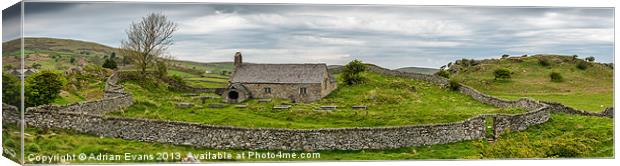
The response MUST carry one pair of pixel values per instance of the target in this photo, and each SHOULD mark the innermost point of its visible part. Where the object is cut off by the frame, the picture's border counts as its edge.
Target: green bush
(569, 147)
(502, 74)
(162, 69)
(43, 87)
(10, 89)
(443, 73)
(590, 59)
(544, 62)
(583, 65)
(556, 77)
(352, 72)
(110, 64)
(454, 85)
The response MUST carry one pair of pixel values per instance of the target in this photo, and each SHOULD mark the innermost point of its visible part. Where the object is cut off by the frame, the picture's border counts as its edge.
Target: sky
(387, 35)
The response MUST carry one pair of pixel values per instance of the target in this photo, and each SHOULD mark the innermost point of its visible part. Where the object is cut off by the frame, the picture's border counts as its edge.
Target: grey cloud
(391, 36)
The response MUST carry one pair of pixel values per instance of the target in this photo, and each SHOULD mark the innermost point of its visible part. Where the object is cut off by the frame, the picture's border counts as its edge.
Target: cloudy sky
(391, 36)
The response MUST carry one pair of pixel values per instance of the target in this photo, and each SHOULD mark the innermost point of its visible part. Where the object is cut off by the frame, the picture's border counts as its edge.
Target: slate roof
(279, 73)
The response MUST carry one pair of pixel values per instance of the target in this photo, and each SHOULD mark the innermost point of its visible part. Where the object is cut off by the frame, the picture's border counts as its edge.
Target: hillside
(590, 89)
(56, 54)
(56, 45)
(421, 70)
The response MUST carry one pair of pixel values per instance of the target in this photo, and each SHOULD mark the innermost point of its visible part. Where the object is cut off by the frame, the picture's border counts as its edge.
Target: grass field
(590, 89)
(563, 136)
(392, 101)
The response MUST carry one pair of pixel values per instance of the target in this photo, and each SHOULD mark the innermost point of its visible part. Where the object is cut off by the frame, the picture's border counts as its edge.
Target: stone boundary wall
(558, 107)
(503, 123)
(86, 120)
(223, 137)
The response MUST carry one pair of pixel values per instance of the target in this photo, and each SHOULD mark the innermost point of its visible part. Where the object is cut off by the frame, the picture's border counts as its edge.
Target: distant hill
(56, 54)
(590, 88)
(57, 45)
(421, 70)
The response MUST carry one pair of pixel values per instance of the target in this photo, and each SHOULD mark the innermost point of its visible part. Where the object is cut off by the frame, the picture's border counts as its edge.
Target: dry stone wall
(89, 118)
(222, 137)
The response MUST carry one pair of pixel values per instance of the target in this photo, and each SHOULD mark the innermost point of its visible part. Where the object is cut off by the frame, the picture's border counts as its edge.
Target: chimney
(238, 60)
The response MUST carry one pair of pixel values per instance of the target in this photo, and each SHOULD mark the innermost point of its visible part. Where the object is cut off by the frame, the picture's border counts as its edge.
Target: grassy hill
(590, 89)
(418, 70)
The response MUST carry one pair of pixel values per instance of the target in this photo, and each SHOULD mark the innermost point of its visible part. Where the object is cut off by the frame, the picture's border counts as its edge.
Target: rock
(329, 107)
(264, 100)
(190, 94)
(359, 107)
(184, 105)
(281, 107)
(216, 105)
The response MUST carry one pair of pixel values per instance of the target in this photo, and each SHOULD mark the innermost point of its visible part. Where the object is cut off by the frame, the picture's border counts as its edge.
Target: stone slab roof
(279, 73)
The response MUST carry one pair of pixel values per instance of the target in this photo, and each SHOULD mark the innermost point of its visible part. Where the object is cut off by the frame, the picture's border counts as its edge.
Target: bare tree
(148, 40)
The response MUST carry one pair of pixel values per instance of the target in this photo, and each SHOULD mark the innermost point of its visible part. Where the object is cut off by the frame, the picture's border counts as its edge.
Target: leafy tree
(502, 74)
(352, 72)
(590, 59)
(10, 89)
(110, 64)
(505, 56)
(43, 87)
(556, 77)
(575, 57)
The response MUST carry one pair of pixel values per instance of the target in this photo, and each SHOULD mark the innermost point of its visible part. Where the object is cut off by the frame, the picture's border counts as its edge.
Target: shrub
(505, 56)
(352, 72)
(162, 69)
(10, 89)
(556, 77)
(583, 65)
(43, 87)
(544, 62)
(502, 74)
(443, 73)
(570, 146)
(590, 59)
(110, 64)
(454, 85)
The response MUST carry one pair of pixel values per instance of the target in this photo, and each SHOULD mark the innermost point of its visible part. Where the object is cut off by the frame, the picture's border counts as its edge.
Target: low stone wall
(222, 137)
(526, 103)
(518, 122)
(557, 107)
(88, 117)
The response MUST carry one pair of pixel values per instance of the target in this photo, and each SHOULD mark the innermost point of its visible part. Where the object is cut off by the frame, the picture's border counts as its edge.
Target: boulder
(216, 105)
(184, 105)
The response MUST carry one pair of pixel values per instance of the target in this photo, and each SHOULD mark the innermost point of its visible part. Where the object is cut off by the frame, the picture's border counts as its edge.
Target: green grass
(181, 74)
(590, 89)
(392, 101)
(541, 141)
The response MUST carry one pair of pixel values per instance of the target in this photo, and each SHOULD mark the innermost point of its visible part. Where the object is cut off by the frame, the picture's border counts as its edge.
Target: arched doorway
(233, 95)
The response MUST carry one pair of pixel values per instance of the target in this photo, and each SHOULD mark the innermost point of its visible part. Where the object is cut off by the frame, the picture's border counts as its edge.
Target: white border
(571, 3)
